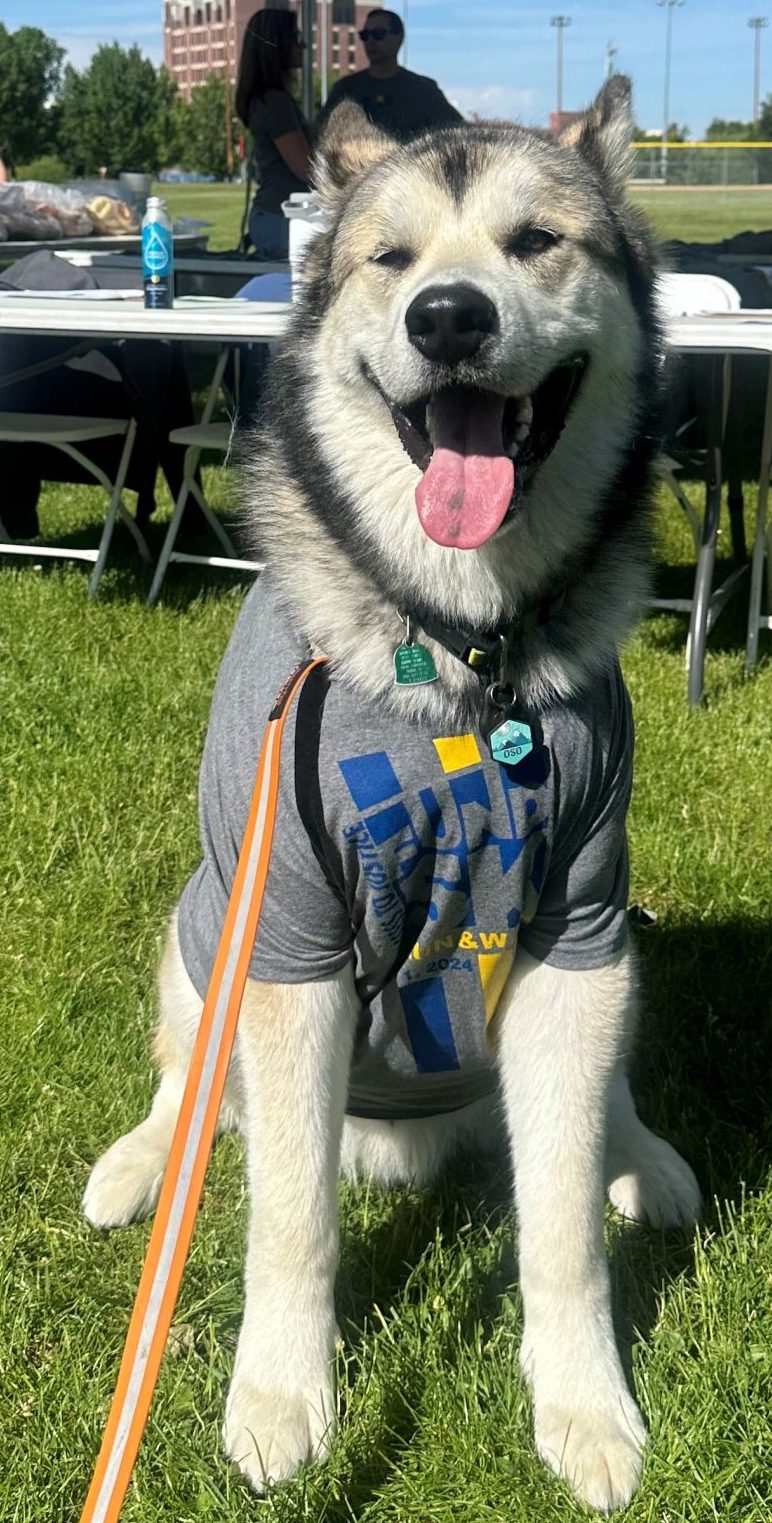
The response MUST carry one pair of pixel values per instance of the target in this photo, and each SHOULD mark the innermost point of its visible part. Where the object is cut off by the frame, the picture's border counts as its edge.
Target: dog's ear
(604, 132)
(348, 147)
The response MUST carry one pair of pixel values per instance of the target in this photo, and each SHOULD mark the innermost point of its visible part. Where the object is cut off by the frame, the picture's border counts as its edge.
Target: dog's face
(478, 306)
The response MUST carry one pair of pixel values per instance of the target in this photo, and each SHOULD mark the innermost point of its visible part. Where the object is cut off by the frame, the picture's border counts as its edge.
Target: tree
(171, 122)
(30, 75)
(764, 124)
(115, 113)
(730, 131)
(333, 75)
(209, 129)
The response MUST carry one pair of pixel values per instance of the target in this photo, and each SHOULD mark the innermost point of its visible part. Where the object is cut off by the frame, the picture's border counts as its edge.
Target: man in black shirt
(395, 99)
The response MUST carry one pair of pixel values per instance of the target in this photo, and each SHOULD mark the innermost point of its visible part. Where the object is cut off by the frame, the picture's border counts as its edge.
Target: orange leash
(184, 1177)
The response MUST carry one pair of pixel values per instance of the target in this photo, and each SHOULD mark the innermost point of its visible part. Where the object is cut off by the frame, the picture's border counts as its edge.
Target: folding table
(90, 318)
(732, 335)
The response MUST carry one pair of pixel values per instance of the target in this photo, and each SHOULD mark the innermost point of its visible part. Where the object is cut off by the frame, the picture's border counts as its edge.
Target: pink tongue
(467, 487)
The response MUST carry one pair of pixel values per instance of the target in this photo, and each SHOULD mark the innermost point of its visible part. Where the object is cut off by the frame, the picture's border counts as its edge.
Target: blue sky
(498, 57)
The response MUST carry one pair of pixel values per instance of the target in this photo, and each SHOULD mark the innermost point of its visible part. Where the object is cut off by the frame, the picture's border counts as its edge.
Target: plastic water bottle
(157, 254)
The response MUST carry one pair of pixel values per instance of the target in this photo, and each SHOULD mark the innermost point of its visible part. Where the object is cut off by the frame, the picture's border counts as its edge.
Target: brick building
(204, 39)
(560, 120)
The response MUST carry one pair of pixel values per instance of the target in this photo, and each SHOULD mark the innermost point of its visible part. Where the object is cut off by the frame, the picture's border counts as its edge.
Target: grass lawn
(706, 216)
(105, 707)
(221, 205)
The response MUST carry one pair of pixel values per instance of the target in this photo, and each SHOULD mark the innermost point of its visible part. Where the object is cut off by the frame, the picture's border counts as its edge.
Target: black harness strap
(308, 793)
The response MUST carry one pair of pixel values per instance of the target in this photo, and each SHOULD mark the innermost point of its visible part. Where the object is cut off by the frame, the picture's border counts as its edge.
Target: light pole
(757, 23)
(670, 6)
(560, 22)
(322, 51)
(611, 53)
(307, 10)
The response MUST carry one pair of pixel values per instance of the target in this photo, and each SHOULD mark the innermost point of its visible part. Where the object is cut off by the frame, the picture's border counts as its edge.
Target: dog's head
(477, 283)
(468, 383)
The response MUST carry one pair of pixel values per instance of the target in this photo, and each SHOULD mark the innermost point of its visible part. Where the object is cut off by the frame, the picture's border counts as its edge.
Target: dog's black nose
(448, 323)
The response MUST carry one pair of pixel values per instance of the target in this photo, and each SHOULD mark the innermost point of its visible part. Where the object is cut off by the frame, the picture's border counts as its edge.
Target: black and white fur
(331, 493)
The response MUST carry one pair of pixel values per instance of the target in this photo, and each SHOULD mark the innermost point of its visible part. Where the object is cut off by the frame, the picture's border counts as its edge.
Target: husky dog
(452, 466)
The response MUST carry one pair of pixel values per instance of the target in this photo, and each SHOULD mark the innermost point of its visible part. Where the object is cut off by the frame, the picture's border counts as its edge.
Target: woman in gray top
(272, 50)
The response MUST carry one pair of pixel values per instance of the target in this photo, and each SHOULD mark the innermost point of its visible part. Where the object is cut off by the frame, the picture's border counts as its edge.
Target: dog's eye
(530, 241)
(394, 259)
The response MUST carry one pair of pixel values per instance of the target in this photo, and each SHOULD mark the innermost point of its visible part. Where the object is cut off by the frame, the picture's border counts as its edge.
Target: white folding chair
(64, 433)
(689, 295)
(681, 296)
(196, 438)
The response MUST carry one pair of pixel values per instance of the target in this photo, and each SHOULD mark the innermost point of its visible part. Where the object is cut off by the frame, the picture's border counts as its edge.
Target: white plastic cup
(306, 221)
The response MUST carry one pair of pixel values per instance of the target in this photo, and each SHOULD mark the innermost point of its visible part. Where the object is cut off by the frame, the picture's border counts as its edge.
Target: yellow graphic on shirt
(494, 969)
(457, 751)
(464, 941)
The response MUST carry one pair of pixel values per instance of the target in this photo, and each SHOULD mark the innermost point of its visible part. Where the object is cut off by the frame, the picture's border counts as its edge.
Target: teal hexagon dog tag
(413, 664)
(510, 742)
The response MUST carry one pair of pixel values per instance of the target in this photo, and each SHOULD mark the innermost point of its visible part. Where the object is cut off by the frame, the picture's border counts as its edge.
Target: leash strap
(184, 1177)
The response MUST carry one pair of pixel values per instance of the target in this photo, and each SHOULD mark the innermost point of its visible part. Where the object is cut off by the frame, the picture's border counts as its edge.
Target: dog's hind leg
(558, 1035)
(295, 1043)
(646, 1179)
(125, 1182)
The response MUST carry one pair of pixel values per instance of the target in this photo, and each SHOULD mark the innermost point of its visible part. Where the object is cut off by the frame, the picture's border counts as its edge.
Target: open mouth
(478, 452)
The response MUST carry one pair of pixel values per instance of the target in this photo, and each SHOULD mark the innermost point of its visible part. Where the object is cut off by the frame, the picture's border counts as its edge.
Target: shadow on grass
(705, 1046)
(701, 1079)
(127, 578)
(677, 581)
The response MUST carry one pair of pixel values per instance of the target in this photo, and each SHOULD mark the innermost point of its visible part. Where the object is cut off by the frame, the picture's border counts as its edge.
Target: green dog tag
(510, 742)
(413, 665)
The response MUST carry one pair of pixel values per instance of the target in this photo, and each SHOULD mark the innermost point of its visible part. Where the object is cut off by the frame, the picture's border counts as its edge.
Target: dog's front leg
(294, 1053)
(557, 1040)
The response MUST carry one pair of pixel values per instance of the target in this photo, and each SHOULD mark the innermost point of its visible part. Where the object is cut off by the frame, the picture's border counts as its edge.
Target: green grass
(220, 205)
(105, 707)
(706, 215)
(700, 215)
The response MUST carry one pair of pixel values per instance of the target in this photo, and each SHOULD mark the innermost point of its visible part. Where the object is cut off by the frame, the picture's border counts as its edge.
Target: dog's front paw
(269, 1434)
(658, 1187)
(125, 1183)
(599, 1454)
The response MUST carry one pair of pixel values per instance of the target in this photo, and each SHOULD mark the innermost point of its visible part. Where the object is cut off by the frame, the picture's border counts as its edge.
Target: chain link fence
(702, 164)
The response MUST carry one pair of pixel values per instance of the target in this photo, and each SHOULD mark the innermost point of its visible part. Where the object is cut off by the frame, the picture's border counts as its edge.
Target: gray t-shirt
(412, 854)
(272, 116)
(405, 104)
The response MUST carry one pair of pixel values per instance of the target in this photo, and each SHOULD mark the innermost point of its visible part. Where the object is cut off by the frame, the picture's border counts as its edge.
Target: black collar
(480, 649)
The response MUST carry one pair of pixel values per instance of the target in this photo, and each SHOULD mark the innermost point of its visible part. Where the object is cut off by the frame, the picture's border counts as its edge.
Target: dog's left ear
(603, 133)
(349, 146)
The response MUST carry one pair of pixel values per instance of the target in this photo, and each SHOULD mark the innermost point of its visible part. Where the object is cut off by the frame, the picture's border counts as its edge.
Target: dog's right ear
(603, 132)
(349, 146)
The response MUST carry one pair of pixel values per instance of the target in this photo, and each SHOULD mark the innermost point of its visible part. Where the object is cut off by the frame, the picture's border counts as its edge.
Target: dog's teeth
(431, 416)
(525, 411)
(522, 431)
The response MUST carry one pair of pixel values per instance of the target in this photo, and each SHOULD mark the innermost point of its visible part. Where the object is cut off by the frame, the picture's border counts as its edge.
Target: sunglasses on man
(374, 33)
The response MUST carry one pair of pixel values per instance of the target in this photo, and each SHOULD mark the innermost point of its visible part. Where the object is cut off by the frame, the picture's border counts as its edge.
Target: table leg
(214, 389)
(757, 564)
(703, 581)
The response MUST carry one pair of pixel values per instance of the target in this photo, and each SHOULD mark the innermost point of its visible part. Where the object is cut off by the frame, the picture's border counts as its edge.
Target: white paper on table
(98, 295)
